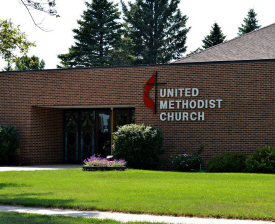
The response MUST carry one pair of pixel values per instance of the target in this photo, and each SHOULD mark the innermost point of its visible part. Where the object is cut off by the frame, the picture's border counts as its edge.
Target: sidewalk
(127, 217)
(40, 167)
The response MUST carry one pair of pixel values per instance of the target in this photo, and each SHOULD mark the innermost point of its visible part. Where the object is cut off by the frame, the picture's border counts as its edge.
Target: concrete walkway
(127, 217)
(39, 167)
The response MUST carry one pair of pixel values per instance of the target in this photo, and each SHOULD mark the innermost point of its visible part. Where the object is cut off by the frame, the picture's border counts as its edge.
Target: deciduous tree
(13, 42)
(29, 63)
(26, 63)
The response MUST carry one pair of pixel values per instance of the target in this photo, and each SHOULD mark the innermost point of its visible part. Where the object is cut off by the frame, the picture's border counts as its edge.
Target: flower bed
(98, 163)
(101, 168)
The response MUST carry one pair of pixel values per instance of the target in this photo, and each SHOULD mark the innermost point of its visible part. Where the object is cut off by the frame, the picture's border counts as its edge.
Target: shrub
(8, 143)
(139, 145)
(186, 162)
(262, 161)
(227, 162)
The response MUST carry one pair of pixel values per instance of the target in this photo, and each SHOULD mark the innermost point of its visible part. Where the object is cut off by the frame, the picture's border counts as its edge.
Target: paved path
(127, 217)
(40, 167)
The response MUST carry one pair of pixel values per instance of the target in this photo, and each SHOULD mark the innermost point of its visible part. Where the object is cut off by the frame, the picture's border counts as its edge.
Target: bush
(8, 144)
(139, 145)
(262, 161)
(227, 162)
(186, 162)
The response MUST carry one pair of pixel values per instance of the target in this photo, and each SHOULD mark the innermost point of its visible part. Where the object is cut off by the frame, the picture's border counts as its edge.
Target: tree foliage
(12, 41)
(98, 39)
(250, 23)
(157, 28)
(29, 63)
(215, 37)
(123, 53)
(26, 63)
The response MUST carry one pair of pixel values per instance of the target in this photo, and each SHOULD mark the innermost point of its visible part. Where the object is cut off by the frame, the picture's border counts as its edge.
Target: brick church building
(221, 98)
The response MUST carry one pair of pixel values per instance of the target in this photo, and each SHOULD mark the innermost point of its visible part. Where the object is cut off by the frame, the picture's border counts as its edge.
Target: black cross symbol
(156, 83)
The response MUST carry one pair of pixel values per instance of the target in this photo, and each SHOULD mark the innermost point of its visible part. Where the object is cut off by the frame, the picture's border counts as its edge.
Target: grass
(229, 195)
(21, 218)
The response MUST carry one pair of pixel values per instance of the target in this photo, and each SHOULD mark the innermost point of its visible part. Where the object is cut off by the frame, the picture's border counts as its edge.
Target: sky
(201, 15)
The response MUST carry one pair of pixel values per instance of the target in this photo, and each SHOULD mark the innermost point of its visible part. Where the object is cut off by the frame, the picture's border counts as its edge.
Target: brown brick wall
(244, 122)
(47, 136)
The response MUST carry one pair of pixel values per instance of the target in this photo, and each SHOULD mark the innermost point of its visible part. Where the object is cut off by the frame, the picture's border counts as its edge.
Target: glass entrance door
(71, 136)
(79, 135)
(104, 133)
(87, 143)
(88, 132)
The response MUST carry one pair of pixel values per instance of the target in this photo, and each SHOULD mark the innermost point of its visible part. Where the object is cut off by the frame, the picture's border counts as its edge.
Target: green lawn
(233, 195)
(19, 218)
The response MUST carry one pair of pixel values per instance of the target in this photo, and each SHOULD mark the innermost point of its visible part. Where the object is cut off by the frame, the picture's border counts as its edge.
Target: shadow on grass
(4, 185)
(40, 200)
(16, 218)
(33, 199)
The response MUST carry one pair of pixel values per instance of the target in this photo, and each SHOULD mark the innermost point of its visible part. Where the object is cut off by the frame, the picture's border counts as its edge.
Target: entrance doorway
(88, 131)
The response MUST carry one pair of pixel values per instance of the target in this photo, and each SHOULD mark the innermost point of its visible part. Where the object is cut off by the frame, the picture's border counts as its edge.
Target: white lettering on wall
(161, 116)
(176, 103)
(163, 105)
(180, 92)
(162, 92)
(171, 104)
(182, 116)
(191, 104)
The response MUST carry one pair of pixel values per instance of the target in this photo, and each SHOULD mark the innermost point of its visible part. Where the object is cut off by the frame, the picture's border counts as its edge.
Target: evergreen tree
(157, 28)
(98, 35)
(250, 23)
(215, 37)
(123, 53)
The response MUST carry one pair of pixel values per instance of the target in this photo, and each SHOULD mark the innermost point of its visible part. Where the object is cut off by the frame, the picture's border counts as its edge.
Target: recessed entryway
(89, 131)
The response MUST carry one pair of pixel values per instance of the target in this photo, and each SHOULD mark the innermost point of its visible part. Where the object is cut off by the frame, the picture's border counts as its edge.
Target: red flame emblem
(148, 102)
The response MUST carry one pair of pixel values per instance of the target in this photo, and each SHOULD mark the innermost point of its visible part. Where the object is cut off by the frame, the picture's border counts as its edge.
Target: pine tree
(158, 30)
(98, 35)
(215, 37)
(250, 23)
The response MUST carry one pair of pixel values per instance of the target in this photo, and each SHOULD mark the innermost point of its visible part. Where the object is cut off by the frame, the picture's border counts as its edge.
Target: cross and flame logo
(148, 102)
